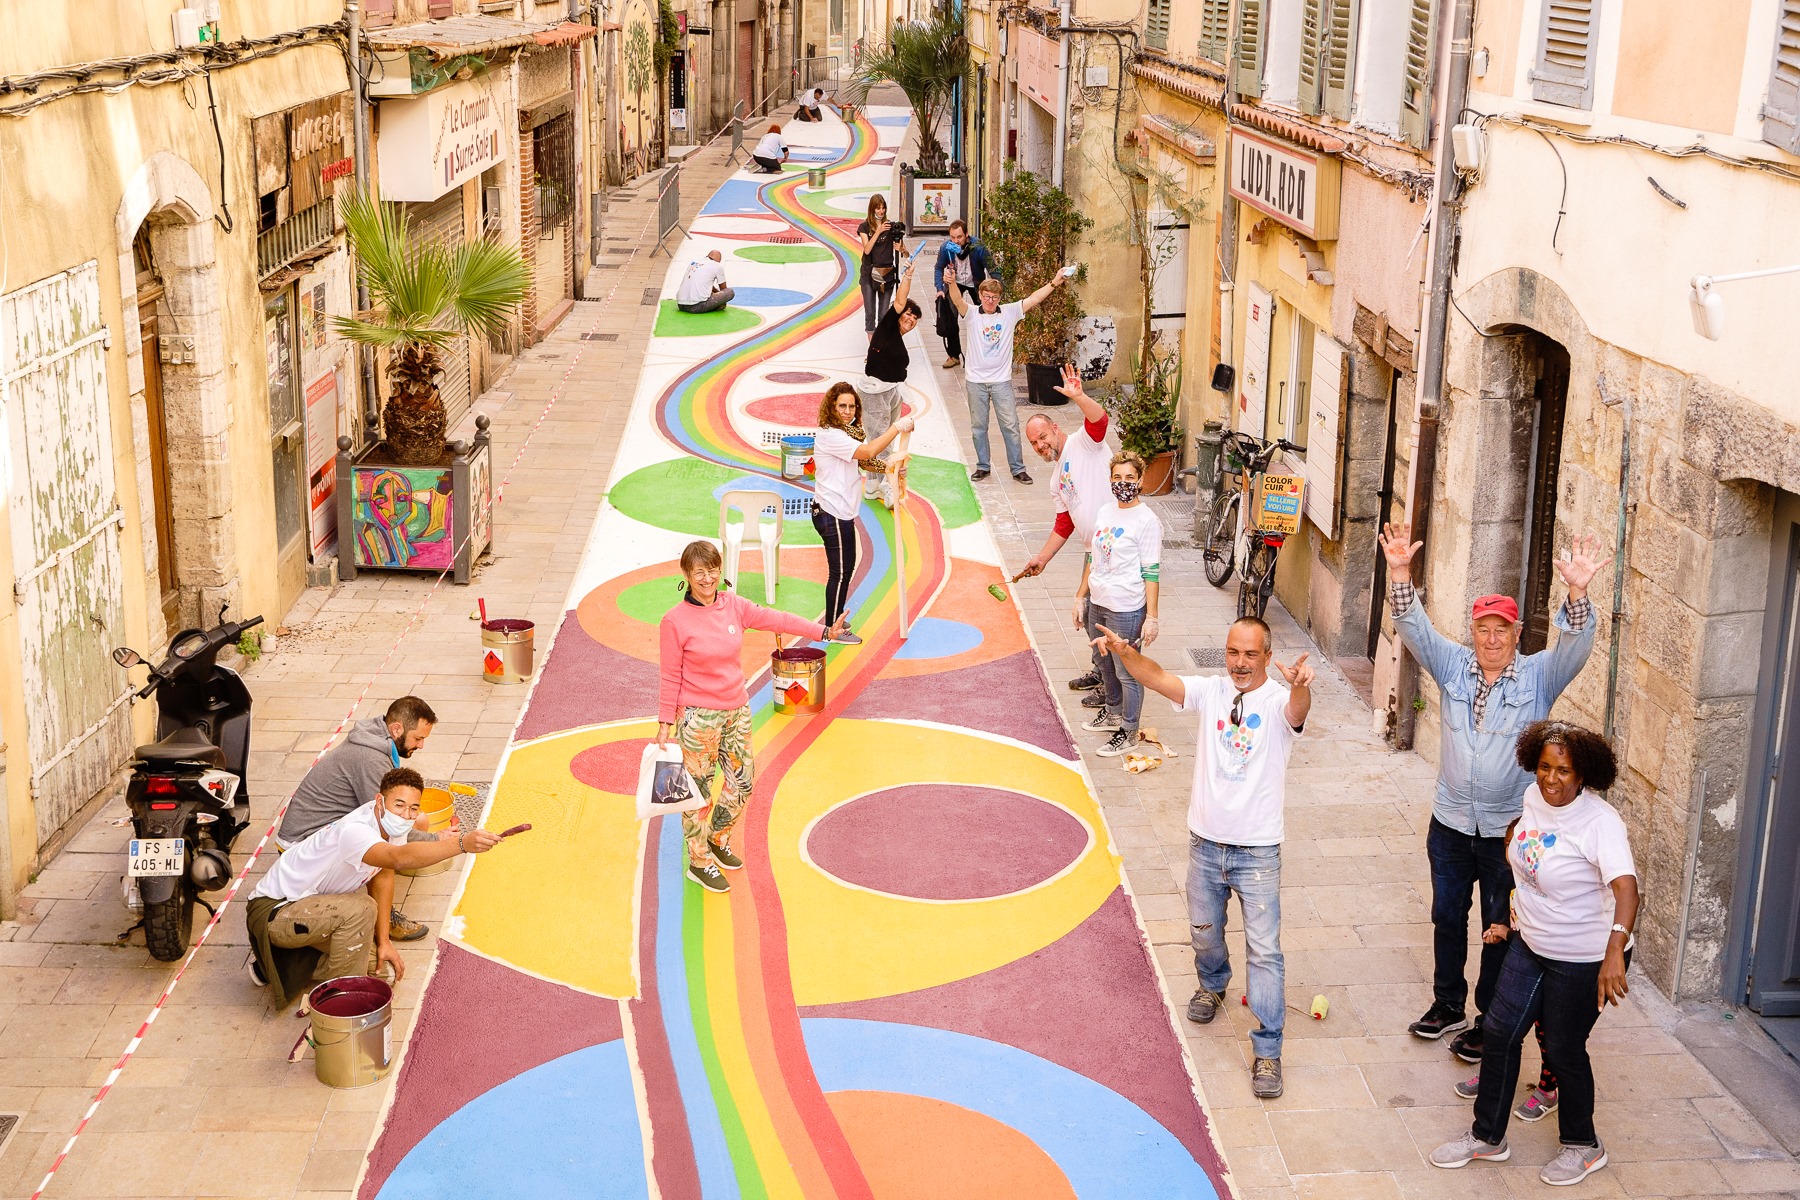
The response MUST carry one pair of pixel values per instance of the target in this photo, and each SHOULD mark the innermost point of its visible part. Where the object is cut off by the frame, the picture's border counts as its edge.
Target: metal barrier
(807, 74)
(668, 208)
(737, 138)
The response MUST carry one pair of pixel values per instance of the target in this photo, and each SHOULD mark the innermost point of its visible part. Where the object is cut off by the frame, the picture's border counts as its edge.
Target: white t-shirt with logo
(701, 278)
(1239, 769)
(770, 145)
(988, 342)
(327, 862)
(837, 480)
(1563, 862)
(1127, 553)
(1083, 481)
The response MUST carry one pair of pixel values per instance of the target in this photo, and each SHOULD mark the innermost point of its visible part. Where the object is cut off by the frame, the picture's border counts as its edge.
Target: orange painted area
(911, 1146)
(966, 598)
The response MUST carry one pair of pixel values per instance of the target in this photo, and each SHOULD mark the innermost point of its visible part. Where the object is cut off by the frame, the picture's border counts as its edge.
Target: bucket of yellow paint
(799, 680)
(438, 806)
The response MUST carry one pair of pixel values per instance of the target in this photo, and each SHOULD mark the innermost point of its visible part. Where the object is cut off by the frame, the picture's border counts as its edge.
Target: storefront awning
(453, 37)
(566, 34)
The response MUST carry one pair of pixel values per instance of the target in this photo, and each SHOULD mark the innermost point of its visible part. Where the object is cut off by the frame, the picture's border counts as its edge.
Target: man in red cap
(1488, 694)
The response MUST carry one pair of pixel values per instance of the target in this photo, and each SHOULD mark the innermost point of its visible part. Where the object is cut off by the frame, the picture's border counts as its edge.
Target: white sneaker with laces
(1101, 722)
(1120, 743)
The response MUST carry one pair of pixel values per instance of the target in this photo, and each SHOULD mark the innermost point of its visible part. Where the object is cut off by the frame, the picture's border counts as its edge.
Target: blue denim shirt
(1481, 787)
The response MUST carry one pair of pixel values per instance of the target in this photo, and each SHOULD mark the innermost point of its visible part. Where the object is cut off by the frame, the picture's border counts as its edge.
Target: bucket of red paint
(352, 1034)
(506, 651)
(799, 680)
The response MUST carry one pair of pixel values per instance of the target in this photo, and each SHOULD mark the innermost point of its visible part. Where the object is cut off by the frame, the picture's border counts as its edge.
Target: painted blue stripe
(1105, 1144)
(717, 1176)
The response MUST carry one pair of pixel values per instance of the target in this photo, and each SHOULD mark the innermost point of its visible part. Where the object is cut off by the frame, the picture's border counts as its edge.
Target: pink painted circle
(793, 377)
(937, 841)
(612, 767)
(795, 408)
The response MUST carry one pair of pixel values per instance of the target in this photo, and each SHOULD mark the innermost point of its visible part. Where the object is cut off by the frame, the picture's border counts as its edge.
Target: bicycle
(1247, 458)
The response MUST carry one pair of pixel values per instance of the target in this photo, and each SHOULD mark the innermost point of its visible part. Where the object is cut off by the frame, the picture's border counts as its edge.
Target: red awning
(566, 34)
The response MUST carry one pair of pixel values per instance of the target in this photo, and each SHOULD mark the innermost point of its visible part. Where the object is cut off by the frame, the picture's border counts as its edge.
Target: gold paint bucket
(799, 680)
(438, 807)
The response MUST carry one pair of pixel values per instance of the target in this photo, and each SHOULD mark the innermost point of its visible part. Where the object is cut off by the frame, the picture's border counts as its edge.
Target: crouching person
(331, 892)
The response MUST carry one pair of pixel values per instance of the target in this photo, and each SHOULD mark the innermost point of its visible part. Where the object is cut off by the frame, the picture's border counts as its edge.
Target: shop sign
(1037, 68)
(316, 136)
(1278, 501)
(1297, 187)
(433, 143)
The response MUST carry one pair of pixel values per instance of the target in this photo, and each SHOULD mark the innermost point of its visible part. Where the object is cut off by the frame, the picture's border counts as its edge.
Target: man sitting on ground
(347, 775)
(327, 893)
(703, 288)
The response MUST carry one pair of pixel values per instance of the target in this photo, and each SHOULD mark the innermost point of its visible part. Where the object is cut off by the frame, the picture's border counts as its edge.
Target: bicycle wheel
(1221, 537)
(1257, 580)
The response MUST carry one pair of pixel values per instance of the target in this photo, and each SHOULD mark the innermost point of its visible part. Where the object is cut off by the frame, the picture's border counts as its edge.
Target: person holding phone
(882, 242)
(838, 451)
(705, 701)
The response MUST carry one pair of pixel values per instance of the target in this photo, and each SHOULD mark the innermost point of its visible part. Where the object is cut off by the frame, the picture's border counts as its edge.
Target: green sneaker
(725, 858)
(707, 876)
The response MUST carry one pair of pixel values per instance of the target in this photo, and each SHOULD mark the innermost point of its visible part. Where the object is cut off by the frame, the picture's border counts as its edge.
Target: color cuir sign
(1297, 187)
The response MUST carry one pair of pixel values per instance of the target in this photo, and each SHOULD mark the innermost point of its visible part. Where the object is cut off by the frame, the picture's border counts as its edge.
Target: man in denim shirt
(1487, 696)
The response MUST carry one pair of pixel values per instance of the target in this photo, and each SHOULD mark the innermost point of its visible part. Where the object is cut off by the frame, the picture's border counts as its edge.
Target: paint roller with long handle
(896, 468)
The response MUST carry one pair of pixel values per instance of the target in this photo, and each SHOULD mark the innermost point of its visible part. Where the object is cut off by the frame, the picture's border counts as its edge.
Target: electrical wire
(212, 104)
(1562, 203)
(1545, 129)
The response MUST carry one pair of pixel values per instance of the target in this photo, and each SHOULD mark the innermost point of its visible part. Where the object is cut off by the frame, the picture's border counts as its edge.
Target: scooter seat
(184, 745)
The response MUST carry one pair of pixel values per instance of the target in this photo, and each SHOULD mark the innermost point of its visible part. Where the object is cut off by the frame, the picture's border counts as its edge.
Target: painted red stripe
(672, 1162)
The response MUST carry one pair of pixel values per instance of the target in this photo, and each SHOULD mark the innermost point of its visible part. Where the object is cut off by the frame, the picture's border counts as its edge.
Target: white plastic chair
(755, 506)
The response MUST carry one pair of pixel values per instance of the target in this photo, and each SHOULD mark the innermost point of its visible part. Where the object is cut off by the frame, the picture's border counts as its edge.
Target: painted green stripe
(743, 1161)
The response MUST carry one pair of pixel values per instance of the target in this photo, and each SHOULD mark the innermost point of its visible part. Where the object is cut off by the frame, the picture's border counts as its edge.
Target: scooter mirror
(125, 656)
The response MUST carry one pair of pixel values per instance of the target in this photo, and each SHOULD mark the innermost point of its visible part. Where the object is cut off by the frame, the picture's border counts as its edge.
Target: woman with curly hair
(1575, 901)
(839, 453)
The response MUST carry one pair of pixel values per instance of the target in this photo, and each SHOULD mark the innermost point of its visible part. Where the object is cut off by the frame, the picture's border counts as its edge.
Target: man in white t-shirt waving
(1248, 723)
(987, 334)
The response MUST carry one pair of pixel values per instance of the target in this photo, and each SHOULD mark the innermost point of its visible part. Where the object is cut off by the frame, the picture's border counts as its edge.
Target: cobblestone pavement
(210, 1107)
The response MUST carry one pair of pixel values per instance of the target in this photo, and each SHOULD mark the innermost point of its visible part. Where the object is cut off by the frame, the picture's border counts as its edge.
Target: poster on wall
(321, 462)
(935, 203)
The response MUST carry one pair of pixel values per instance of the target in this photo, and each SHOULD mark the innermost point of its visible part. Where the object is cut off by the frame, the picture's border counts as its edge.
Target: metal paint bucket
(799, 680)
(506, 651)
(815, 177)
(797, 456)
(438, 807)
(352, 1037)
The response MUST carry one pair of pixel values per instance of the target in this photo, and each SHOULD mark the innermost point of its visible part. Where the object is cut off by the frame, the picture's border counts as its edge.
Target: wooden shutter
(1248, 70)
(1339, 68)
(1168, 272)
(1253, 379)
(1156, 25)
(1312, 52)
(1325, 435)
(1415, 85)
(1564, 73)
(1781, 114)
(1215, 30)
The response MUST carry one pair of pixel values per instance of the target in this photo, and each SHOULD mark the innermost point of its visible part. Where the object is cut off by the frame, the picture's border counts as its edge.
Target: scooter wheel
(168, 924)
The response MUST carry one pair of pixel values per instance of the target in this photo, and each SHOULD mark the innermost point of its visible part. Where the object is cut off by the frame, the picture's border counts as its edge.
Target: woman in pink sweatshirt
(705, 701)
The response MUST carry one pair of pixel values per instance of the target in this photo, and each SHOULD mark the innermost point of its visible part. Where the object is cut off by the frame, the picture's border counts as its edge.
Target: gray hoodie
(348, 775)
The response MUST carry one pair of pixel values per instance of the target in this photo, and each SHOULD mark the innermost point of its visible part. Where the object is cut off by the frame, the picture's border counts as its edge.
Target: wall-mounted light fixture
(1708, 307)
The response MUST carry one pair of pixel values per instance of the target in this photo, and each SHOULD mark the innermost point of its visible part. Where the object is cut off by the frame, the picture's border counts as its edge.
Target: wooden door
(746, 67)
(149, 292)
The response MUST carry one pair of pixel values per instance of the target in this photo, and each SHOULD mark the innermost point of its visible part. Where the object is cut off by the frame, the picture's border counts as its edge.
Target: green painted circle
(646, 602)
(672, 322)
(785, 254)
(678, 495)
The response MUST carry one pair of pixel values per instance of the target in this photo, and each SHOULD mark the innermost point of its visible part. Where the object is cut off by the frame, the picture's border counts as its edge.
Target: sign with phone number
(1278, 503)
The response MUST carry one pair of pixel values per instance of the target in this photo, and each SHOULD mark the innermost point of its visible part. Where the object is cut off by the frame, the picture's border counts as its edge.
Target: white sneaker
(1102, 722)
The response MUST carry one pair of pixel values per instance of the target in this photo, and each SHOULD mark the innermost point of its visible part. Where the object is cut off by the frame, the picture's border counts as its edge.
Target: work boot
(402, 928)
(1265, 1078)
(1204, 1006)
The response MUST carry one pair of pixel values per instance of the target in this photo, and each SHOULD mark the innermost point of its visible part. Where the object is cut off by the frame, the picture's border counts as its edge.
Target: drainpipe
(1062, 91)
(359, 125)
(9, 907)
(1431, 365)
(1618, 603)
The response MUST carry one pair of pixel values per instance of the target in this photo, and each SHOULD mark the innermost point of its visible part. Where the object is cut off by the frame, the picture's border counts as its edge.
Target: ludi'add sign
(1297, 187)
(432, 143)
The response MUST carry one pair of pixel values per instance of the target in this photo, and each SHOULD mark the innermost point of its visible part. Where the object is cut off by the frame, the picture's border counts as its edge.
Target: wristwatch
(1630, 941)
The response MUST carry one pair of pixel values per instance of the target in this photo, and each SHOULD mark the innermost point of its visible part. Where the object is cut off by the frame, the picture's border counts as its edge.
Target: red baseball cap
(1495, 606)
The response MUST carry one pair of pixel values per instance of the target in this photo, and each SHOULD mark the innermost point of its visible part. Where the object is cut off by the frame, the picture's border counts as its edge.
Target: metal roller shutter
(442, 221)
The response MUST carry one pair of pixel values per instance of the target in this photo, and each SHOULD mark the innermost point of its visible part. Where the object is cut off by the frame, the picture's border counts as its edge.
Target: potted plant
(1146, 415)
(926, 60)
(1028, 226)
(411, 501)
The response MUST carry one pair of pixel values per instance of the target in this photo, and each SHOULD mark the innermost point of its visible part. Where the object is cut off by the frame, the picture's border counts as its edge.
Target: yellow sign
(1278, 503)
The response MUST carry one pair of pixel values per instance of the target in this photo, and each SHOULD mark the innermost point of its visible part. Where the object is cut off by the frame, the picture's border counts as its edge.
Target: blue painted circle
(899, 120)
(762, 297)
(933, 637)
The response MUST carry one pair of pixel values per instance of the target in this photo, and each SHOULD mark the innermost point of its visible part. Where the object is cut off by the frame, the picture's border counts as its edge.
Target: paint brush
(482, 605)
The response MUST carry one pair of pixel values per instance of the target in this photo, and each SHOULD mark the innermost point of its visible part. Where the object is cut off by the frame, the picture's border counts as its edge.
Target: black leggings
(840, 561)
(769, 166)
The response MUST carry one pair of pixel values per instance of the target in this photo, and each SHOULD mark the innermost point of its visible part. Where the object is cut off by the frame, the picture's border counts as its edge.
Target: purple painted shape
(1089, 1002)
(582, 682)
(939, 841)
(481, 1024)
(1009, 696)
(793, 377)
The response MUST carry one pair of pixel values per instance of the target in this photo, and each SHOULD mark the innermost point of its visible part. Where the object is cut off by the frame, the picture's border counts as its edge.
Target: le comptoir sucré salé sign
(1297, 187)
(432, 143)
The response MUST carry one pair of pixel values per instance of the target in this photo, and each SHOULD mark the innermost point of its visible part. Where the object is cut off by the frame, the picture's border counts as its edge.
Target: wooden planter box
(409, 518)
(928, 203)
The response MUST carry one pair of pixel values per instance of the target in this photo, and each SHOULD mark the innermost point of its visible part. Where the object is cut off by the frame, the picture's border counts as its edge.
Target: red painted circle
(795, 408)
(612, 767)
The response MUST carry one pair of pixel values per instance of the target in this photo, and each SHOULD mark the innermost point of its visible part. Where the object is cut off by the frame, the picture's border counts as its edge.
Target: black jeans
(949, 327)
(840, 561)
(877, 298)
(1459, 863)
(769, 166)
(1564, 997)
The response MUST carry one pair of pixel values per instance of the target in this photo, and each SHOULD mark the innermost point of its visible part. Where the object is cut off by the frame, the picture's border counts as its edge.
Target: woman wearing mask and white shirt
(838, 451)
(1575, 901)
(1120, 590)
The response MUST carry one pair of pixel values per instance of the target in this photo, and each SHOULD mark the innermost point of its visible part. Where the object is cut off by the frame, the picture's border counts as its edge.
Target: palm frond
(386, 336)
(487, 281)
(924, 59)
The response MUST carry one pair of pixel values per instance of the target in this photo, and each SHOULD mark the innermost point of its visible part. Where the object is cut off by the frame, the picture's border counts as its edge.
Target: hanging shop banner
(1037, 68)
(1297, 187)
(432, 143)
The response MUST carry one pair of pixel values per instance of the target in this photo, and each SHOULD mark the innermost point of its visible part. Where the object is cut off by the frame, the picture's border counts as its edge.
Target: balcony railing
(306, 230)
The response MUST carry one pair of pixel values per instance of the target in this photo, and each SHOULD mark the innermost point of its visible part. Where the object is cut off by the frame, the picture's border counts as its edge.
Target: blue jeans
(1254, 872)
(1563, 997)
(1006, 407)
(877, 298)
(1124, 694)
(1461, 864)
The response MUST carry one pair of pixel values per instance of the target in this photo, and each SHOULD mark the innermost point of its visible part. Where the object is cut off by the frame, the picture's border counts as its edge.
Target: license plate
(156, 857)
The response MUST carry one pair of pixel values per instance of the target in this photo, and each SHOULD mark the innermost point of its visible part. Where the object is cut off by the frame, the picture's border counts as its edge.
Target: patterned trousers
(712, 740)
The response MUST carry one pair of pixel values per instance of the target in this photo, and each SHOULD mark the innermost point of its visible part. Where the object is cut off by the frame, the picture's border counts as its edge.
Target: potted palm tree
(411, 501)
(926, 60)
(1029, 225)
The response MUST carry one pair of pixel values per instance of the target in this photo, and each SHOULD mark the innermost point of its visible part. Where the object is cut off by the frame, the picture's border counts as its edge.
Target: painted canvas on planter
(401, 517)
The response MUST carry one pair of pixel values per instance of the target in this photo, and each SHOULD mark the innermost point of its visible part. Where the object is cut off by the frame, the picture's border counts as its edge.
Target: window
(1312, 51)
(1325, 434)
(1327, 34)
(1215, 30)
(1781, 115)
(1564, 73)
(1249, 56)
(1415, 65)
(1156, 25)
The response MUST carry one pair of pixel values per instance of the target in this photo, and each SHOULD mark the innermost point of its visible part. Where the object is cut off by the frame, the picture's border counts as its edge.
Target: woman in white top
(838, 448)
(1119, 589)
(1575, 901)
(770, 151)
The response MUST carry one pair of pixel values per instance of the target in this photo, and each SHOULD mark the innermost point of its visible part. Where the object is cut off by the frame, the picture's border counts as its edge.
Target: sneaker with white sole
(1466, 1149)
(1095, 699)
(1573, 1165)
(708, 876)
(1537, 1105)
(1085, 683)
(1119, 743)
(256, 971)
(1469, 1088)
(1101, 722)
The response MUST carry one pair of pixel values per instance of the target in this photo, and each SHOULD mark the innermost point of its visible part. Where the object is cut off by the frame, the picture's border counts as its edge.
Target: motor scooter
(188, 795)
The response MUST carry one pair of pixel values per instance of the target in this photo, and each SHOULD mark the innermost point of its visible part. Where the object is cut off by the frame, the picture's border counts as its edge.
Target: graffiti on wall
(401, 516)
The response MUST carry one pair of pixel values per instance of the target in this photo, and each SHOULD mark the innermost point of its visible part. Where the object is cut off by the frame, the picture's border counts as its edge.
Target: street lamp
(1708, 307)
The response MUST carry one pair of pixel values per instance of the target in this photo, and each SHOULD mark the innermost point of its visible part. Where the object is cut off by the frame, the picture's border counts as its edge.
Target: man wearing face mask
(347, 775)
(330, 891)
